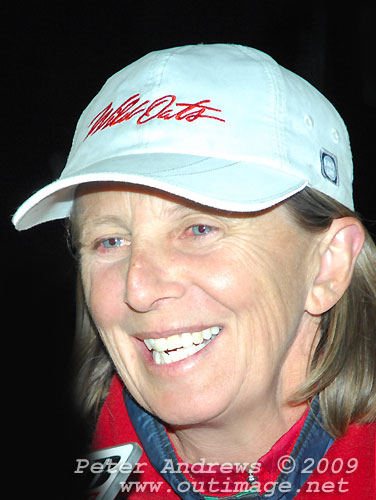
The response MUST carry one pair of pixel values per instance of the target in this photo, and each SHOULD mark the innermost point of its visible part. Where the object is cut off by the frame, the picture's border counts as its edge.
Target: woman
(230, 282)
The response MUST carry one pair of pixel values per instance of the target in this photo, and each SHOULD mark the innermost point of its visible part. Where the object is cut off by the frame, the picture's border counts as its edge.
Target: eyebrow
(178, 209)
(101, 220)
(84, 223)
(88, 220)
(107, 219)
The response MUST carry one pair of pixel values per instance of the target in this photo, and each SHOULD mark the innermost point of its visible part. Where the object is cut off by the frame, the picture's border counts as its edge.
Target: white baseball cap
(220, 124)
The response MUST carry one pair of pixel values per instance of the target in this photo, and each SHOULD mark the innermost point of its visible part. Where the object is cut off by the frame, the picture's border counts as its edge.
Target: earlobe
(337, 255)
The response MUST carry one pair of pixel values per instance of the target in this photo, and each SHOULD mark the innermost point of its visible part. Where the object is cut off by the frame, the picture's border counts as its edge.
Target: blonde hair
(343, 367)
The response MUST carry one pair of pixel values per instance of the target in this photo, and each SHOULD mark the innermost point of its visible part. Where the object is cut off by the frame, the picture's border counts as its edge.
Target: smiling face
(198, 310)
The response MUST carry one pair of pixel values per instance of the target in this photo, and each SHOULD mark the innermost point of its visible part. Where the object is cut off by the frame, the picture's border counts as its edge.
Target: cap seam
(156, 73)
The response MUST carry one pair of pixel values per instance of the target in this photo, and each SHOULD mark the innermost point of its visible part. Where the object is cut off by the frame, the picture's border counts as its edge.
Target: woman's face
(221, 299)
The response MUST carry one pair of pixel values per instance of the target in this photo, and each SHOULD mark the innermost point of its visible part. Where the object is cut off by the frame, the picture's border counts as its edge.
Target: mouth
(177, 347)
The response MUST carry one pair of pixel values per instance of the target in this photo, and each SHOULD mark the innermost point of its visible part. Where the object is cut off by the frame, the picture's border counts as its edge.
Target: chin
(188, 412)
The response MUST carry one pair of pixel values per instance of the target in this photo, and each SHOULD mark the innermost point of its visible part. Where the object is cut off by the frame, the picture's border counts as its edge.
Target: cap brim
(218, 183)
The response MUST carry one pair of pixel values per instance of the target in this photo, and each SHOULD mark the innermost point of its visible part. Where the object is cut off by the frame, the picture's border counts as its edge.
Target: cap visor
(218, 183)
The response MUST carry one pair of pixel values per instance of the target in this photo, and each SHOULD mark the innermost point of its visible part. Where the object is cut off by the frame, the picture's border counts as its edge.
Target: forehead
(99, 198)
(93, 201)
(119, 204)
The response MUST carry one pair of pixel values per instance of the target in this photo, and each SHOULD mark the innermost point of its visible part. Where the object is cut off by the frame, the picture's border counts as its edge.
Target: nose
(152, 280)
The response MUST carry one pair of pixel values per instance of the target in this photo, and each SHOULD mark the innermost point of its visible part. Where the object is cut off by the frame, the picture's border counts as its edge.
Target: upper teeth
(185, 344)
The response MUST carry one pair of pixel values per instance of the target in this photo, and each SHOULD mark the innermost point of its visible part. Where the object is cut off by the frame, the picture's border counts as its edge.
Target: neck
(245, 440)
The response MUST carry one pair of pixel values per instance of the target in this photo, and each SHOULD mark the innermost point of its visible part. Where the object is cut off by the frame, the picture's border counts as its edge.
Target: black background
(56, 56)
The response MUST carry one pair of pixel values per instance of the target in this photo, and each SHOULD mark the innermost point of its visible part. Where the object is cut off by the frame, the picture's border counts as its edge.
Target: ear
(336, 256)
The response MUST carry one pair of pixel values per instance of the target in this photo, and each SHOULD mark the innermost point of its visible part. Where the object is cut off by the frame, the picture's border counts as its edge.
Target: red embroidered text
(164, 108)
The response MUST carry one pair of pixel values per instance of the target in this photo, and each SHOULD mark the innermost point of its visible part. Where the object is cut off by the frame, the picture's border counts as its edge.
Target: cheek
(238, 276)
(104, 292)
(265, 290)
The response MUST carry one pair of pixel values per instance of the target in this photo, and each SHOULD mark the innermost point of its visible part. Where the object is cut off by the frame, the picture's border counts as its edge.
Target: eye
(198, 230)
(113, 242)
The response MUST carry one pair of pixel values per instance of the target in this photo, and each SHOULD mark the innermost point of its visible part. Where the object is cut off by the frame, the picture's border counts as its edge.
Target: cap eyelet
(335, 135)
(308, 120)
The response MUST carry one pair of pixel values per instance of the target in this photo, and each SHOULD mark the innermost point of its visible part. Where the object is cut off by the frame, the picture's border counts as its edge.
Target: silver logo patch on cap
(329, 168)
